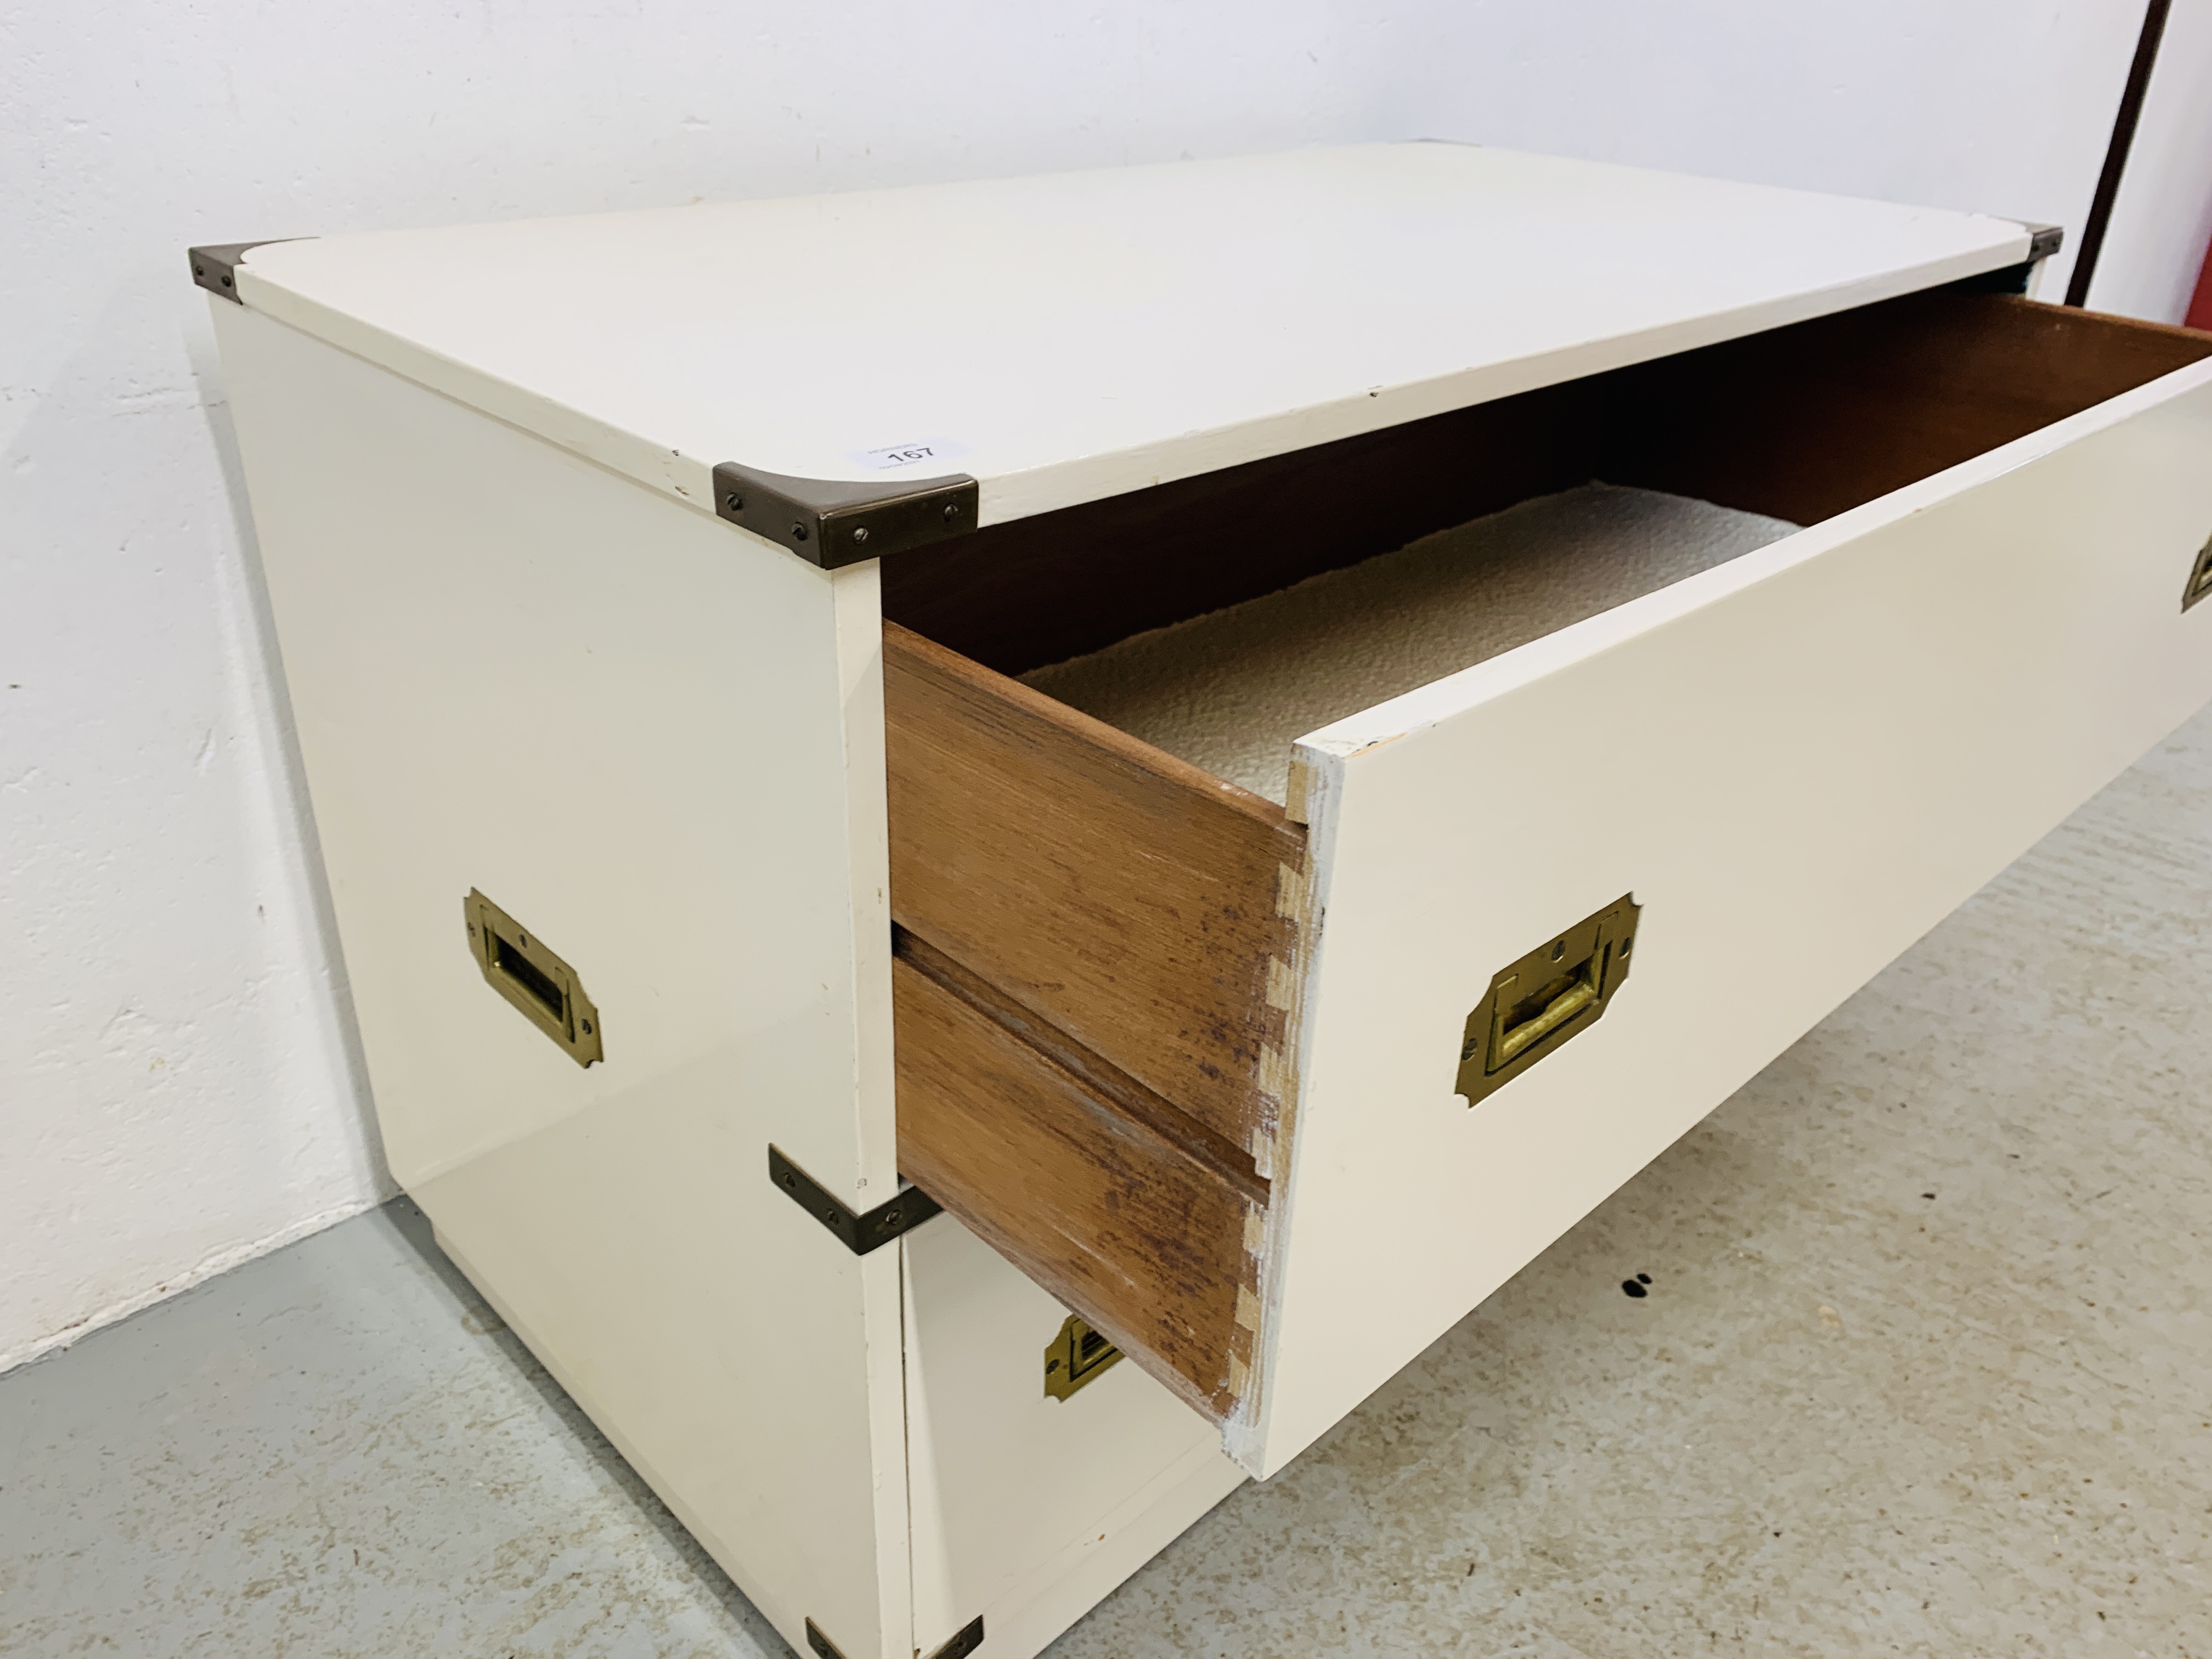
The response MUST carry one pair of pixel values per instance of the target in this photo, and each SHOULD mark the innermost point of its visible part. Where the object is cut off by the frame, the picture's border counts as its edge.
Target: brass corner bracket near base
(1546, 999)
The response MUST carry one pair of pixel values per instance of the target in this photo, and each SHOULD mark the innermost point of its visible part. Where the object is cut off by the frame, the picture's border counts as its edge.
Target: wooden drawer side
(1813, 420)
(1143, 1232)
(1132, 903)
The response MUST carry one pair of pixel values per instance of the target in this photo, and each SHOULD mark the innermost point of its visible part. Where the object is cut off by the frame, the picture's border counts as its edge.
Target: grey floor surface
(1924, 1368)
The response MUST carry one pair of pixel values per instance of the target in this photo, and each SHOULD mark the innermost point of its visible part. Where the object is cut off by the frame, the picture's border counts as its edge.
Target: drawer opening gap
(1783, 428)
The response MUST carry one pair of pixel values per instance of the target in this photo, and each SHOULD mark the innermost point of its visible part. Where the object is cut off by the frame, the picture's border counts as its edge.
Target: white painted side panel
(656, 742)
(1027, 1510)
(1092, 1569)
(1798, 763)
(1071, 336)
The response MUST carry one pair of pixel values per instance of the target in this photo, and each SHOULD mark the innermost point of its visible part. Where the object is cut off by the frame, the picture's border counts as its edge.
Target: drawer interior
(1797, 423)
(1232, 691)
(1099, 927)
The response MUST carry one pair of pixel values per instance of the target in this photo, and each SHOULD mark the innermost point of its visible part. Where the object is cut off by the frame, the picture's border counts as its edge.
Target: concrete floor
(1924, 1366)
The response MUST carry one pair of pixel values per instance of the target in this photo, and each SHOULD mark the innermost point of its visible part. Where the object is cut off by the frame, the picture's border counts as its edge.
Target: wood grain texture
(1124, 897)
(1191, 1138)
(1019, 595)
(1810, 421)
(1118, 1222)
(1802, 423)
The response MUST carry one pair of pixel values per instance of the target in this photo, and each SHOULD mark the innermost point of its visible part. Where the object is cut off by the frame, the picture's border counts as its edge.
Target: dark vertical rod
(2116, 154)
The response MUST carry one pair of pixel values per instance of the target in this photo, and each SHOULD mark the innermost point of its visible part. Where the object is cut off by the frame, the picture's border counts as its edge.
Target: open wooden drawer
(1245, 1083)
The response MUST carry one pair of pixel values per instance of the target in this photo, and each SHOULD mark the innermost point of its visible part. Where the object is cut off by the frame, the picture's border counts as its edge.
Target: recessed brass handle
(516, 963)
(2200, 578)
(1543, 1001)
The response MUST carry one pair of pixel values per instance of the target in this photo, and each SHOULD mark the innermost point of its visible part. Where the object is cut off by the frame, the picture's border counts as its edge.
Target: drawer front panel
(1796, 764)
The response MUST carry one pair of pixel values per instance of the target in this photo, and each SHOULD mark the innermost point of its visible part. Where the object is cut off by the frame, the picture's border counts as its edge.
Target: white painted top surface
(1068, 337)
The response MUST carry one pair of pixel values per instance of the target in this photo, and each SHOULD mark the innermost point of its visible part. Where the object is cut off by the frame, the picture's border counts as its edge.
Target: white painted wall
(2162, 219)
(176, 1086)
(1994, 106)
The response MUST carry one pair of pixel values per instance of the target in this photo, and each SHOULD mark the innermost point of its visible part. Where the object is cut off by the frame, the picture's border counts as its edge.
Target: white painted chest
(1265, 733)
